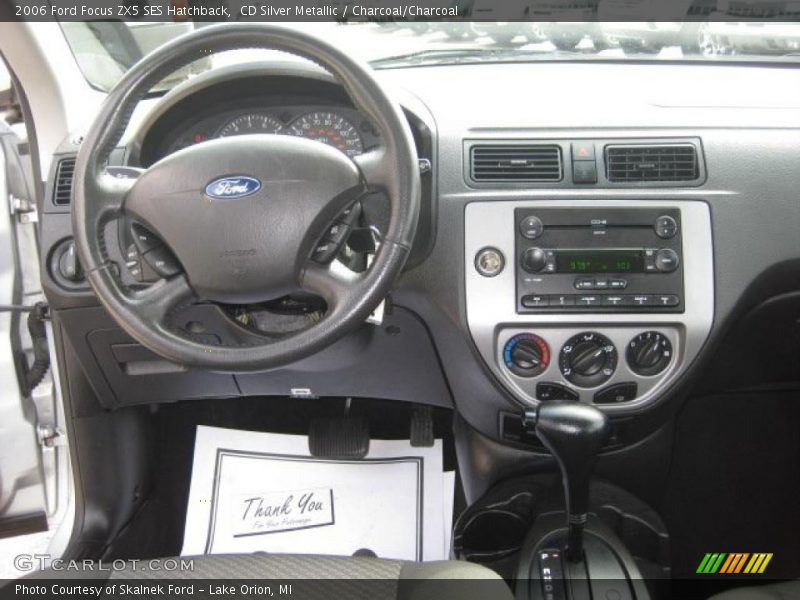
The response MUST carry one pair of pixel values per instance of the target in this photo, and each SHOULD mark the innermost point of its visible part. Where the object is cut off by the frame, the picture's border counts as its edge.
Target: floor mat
(264, 492)
(735, 482)
(157, 529)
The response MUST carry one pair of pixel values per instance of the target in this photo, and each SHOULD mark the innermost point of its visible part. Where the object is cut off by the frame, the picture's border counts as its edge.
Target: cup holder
(492, 534)
(492, 531)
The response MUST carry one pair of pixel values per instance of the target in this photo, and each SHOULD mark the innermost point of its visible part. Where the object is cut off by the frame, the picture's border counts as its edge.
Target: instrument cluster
(339, 127)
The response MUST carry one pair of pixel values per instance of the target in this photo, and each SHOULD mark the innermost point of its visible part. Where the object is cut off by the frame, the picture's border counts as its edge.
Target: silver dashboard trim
(491, 302)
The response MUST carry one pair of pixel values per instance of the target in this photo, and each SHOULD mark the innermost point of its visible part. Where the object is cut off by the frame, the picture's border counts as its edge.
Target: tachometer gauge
(329, 128)
(252, 123)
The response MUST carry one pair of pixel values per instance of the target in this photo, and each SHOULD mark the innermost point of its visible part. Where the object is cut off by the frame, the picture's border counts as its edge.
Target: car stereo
(598, 260)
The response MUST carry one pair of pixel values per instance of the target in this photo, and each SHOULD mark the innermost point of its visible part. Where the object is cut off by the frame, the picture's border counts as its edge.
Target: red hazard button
(582, 151)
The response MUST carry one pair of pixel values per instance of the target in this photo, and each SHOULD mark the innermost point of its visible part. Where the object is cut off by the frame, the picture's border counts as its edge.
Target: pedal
(421, 435)
(346, 437)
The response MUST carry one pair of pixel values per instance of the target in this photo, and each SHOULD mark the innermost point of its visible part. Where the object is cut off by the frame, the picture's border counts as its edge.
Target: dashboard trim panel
(491, 307)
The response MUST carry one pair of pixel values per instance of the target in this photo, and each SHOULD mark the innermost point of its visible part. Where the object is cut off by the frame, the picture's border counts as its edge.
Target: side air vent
(516, 163)
(644, 164)
(62, 191)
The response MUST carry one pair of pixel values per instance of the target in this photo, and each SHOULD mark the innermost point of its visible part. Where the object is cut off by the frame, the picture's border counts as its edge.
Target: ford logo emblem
(228, 188)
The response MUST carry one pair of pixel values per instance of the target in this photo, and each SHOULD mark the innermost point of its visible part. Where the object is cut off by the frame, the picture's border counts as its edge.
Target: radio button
(618, 284)
(585, 284)
(535, 301)
(668, 300)
(667, 260)
(650, 260)
(601, 284)
(639, 300)
(666, 227)
(531, 228)
(588, 300)
(562, 300)
(613, 300)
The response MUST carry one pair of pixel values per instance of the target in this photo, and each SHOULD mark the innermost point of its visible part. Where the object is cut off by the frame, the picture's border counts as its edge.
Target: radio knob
(534, 260)
(667, 260)
(531, 227)
(666, 227)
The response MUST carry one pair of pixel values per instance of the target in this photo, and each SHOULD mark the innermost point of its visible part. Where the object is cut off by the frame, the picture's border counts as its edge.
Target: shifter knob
(574, 434)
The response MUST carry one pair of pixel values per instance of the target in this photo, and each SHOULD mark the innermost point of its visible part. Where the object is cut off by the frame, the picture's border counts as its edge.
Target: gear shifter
(574, 434)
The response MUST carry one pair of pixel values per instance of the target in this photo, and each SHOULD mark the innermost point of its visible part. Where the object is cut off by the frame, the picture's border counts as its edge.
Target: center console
(604, 302)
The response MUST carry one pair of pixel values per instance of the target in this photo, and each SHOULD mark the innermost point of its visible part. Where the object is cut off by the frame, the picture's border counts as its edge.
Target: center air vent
(639, 163)
(515, 163)
(62, 190)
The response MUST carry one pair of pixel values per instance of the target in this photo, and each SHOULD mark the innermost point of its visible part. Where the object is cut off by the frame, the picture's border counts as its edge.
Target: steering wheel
(243, 215)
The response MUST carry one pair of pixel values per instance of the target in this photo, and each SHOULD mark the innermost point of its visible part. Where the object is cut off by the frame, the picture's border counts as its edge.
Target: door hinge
(25, 210)
(49, 436)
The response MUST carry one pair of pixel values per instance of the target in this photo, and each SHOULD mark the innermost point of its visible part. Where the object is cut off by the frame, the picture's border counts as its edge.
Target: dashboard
(478, 290)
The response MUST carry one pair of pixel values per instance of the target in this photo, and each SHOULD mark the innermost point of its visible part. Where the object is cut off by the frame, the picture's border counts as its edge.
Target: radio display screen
(599, 261)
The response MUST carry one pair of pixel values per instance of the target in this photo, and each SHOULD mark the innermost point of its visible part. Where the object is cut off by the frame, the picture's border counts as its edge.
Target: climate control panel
(605, 366)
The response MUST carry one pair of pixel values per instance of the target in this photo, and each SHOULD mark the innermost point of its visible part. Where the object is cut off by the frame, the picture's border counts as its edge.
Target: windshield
(105, 50)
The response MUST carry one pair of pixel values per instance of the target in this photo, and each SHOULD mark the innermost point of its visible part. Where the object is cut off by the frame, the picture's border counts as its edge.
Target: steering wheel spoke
(113, 185)
(157, 301)
(333, 282)
(375, 167)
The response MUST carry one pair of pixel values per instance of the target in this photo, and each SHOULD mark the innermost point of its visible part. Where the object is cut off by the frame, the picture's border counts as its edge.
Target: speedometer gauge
(329, 128)
(252, 123)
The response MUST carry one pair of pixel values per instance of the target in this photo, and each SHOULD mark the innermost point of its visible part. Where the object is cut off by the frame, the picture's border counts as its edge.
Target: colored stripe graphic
(767, 558)
(717, 563)
(740, 564)
(703, 563)
(734, 563)
(727, 564)
(730, 565)
(754, 563)
(711, 562)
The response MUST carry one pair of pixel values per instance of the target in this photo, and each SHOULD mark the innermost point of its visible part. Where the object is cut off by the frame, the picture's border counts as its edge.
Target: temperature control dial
(526, 355)
(588, 359)
(649, 353)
